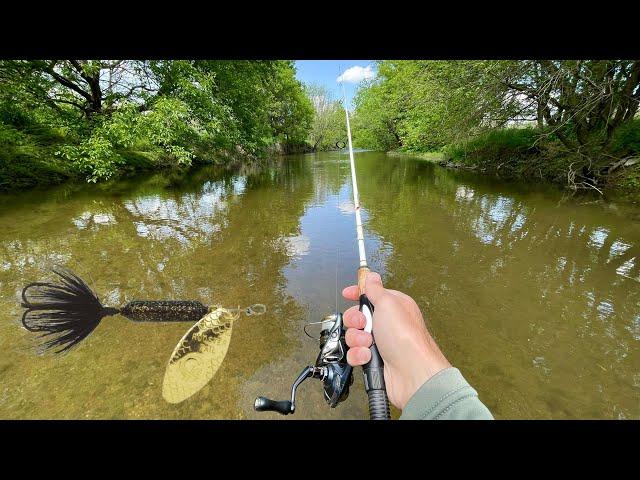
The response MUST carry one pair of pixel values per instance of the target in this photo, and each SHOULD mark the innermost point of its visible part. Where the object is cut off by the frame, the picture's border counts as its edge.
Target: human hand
(410, 354)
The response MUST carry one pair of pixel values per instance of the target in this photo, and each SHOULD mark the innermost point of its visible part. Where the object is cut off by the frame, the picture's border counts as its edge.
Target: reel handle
(285, 407)
(264, 404)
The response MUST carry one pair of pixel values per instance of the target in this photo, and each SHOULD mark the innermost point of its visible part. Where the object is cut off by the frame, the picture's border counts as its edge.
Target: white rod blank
(356, 197)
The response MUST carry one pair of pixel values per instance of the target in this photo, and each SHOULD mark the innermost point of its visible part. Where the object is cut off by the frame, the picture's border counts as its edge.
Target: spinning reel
(331, 368)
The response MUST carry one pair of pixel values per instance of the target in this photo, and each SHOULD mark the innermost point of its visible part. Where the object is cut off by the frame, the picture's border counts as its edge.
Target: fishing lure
(200, 352)
(67, 311)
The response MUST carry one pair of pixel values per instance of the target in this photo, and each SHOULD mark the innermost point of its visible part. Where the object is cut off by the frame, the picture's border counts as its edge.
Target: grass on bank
(27, 158)
(521, 153)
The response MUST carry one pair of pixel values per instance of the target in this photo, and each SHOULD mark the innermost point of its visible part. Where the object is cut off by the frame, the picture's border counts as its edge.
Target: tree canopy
(180, 109)
(425, 105)
(328, 125)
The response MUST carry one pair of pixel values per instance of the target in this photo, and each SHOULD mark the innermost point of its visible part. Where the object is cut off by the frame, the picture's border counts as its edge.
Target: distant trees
(328, 125)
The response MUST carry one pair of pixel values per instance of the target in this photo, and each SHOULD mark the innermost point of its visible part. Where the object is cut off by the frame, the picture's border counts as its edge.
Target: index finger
(351, 293)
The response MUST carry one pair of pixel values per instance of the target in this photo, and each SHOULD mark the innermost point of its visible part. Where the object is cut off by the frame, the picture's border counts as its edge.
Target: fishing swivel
(255, 309)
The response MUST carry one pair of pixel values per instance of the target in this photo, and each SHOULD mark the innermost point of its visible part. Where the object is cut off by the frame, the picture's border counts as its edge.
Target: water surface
(533, 296)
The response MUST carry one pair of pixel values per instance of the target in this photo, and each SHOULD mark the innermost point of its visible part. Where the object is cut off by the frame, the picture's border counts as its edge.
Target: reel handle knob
(264, 404)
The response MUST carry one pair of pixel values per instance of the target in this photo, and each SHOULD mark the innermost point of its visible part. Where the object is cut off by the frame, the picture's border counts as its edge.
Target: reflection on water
(533, 297)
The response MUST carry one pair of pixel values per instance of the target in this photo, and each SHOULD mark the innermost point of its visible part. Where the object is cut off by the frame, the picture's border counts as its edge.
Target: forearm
(446, 396)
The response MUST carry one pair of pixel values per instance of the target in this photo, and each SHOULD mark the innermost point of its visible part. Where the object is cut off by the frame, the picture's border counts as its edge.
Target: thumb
(373, 286)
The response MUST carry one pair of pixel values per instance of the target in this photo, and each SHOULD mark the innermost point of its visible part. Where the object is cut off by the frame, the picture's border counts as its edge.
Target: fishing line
(304, 328)
(337, 256)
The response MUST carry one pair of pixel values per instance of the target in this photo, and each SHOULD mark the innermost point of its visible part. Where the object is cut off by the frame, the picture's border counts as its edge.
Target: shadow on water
(533, 296)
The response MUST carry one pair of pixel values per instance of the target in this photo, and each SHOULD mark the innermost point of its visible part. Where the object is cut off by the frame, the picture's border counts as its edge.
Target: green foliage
(583, 109)
(291, 112)
(329, 123)
(94, 156)
(176, 111)
(424, 105)
(627, 139)
(10, 136)
(26, 160)
(494, 145)
(375, 123)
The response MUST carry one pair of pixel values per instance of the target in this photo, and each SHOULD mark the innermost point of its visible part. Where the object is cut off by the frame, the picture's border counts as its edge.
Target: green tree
(291, 111)
(426, 104)
(579, 105)
(328, 122)
(583, 103)
(174, 111)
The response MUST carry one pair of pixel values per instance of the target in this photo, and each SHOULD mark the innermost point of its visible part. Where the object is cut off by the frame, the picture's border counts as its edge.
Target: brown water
(535, 298)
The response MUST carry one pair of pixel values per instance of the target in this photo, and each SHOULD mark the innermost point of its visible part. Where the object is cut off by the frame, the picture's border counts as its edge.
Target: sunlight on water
(534, 297)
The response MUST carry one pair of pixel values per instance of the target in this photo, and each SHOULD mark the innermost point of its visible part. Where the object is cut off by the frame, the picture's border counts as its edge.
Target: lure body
(67, 311)
(164, 310)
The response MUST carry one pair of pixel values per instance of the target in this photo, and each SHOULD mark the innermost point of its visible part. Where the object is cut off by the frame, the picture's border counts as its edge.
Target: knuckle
(358, 356)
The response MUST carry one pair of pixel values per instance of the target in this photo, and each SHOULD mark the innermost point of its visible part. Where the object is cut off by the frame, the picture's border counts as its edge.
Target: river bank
(625, 187)
(25, 172)
(32, 161)
(150, 115)
(523, 154)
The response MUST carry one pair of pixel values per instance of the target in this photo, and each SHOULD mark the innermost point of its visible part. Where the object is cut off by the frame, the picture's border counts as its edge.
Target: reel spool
(331, 368)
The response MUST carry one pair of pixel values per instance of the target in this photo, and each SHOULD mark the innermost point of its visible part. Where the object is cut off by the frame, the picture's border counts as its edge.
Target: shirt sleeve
(446, 396)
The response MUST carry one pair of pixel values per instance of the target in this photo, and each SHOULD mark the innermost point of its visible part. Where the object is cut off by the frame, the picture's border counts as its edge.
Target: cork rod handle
(362, 276)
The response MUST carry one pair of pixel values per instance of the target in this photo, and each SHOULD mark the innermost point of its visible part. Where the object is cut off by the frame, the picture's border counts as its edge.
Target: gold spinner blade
(198, 355)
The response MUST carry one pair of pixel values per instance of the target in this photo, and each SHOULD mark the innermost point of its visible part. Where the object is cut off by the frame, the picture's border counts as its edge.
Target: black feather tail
(65, 312)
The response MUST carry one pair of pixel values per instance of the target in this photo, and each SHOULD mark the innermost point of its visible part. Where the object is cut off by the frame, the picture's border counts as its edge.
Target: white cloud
(356, 74)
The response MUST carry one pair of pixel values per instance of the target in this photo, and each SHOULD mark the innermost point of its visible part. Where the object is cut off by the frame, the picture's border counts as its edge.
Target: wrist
(425, 365)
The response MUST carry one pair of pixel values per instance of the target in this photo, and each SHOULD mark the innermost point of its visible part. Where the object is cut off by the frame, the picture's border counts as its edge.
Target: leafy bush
(9, 136)
(494, 146)
(627, 138)
(61, 112)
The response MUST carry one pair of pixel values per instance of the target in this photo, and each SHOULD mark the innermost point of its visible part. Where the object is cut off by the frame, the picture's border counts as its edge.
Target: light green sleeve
(446, 396)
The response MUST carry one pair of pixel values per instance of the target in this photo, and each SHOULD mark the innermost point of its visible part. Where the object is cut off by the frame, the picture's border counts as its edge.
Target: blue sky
(325, 72)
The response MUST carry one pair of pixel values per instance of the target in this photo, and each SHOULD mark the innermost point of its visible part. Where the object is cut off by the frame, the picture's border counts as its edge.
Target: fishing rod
(373, 371)
(331, 366)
